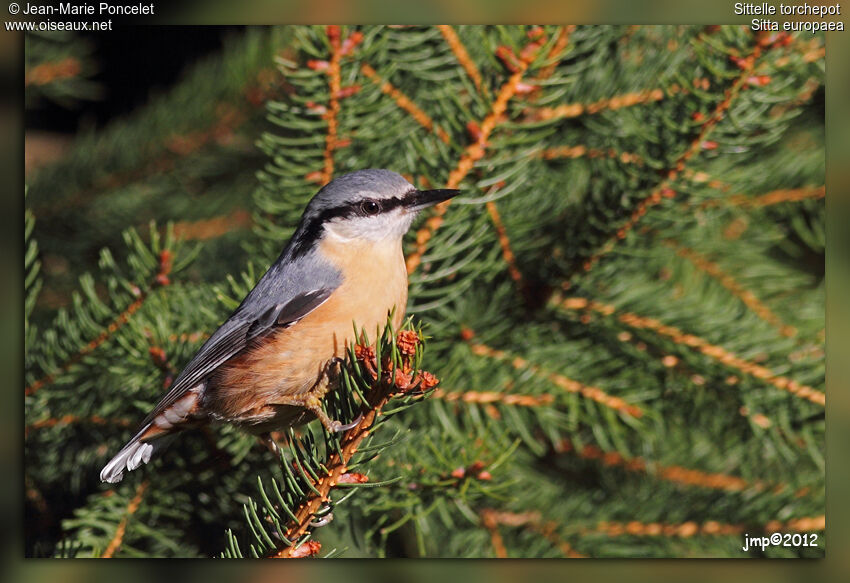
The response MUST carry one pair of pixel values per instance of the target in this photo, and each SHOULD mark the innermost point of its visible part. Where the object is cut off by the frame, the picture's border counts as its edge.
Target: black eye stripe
(311, 228)
(358, 208)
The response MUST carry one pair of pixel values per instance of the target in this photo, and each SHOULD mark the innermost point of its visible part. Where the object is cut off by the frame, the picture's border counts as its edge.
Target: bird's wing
(257, 315)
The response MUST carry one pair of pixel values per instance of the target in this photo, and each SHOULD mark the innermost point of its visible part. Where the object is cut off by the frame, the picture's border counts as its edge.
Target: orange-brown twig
(46, 73)
(227, 120)
(132, 507)
(664, 189)
(505, 244)
(716, 352)
(71, 419)
(188, 337)
(569, 110)
(581, 151)
(490, 397)
(386, 387)
(113, 326)
(491, 519)
(746, 296)
(460, 53)
(556, 51)
(676, 474)
(334, 84)
(404, 102)
(488, 519)
(565, 383)
(471, 154)
(160, 279)
(214, 227)
(773, 197)
(711, 527)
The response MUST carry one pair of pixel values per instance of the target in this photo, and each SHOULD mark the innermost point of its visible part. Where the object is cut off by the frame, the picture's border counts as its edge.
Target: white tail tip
(133, 455)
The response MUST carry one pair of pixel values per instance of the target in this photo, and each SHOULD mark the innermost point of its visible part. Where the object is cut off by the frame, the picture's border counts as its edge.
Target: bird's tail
(135, 453)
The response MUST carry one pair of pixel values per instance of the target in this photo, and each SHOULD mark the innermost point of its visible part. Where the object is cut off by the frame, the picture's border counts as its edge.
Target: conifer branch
(205, 229)
(462, 56)
(132, 507)
(404, 103)
(389, 380)
(746, 296)
(773, 197)
(582, 151)
(47, 73)
(675, 474)
(491, 397)
(491, 519)
(557, 52)
(713, 351)
(665, 190)
(160, 279)
(505, 244)
(211, 228)
(559, 380)
(334, 87)
(475, 151)
(230, 116)
(570, 110)
(74, 419)
(188, 337)
(710, 528)
(674, 362)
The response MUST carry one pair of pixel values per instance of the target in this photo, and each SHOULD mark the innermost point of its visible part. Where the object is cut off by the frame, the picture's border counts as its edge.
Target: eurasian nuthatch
(267, 365)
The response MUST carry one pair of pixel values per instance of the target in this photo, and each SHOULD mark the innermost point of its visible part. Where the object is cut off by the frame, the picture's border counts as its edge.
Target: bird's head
(368, 205)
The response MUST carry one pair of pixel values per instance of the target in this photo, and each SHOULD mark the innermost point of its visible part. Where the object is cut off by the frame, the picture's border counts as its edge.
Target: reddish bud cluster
(401, 379)
(538, 39)
(743, 63)
(158, 356)
(315, 108)
(474, 469)
(348, 46)
(709, 145)
(776, 39)
(318, 65)
(164, 268)
(758, 80)
(333, 32)
(507, 56)
(364, 352)
(314, 176)
(408, 340)
(352, 478)
(308, 549)
(474, 131)
(427, 380)
(525, 88)
(347, 91)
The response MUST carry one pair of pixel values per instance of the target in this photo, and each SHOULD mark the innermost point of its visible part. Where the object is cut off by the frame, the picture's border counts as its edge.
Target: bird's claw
(336, 426)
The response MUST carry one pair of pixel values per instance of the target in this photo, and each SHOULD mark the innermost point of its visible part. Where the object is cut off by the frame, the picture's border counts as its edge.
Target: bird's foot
(267, 440)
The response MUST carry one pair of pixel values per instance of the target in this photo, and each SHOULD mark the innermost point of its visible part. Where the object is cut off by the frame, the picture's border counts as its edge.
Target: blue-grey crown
(371, 183)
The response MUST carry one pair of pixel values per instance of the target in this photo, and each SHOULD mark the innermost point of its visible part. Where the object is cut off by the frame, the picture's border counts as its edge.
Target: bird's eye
(370, 207)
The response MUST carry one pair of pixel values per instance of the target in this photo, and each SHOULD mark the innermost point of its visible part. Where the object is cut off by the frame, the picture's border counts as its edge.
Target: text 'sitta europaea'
(267, 365)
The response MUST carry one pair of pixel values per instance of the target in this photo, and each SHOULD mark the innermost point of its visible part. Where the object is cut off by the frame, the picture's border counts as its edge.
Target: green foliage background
(657, 210)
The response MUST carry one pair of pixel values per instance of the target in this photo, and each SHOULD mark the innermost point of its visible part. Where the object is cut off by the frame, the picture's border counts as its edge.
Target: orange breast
(291, 360)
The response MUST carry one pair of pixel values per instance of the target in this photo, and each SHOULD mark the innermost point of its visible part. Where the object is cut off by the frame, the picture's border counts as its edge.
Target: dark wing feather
(234, 335)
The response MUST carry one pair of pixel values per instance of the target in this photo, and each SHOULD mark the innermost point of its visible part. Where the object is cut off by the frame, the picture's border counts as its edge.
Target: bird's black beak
(420, 199)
